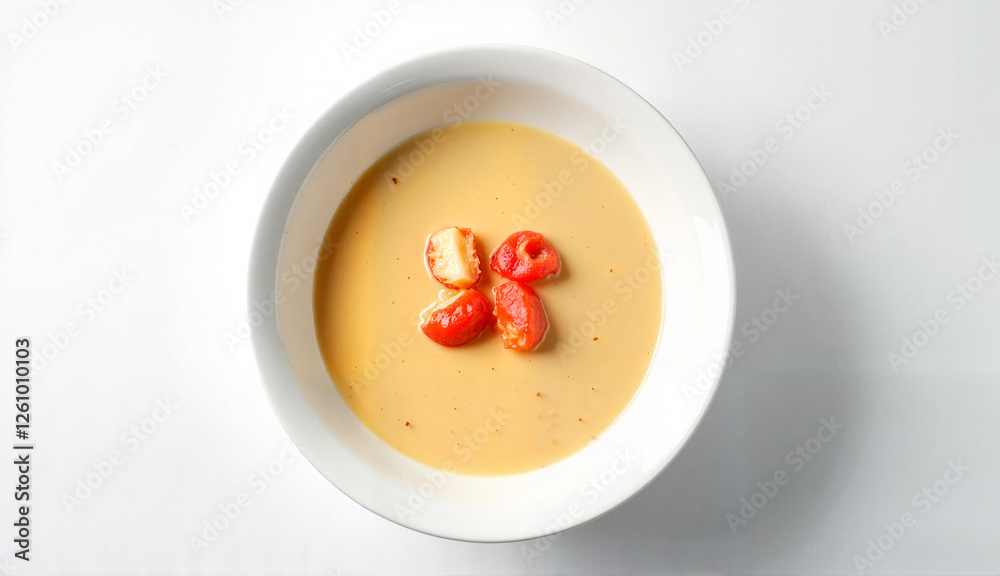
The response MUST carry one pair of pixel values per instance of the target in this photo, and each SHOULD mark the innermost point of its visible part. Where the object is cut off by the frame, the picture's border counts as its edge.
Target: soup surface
(482, 409)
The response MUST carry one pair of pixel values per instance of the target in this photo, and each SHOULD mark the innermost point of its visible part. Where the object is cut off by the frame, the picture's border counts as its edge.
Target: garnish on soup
(452, 258)
(459, 319)
(520, 316)
(525, 256)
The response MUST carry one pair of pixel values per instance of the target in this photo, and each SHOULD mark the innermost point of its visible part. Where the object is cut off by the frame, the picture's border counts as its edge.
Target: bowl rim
(378, 90)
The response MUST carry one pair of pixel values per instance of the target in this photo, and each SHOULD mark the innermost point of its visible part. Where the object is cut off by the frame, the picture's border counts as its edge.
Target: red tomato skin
(525, 257)
(521, 318)
(461, 321)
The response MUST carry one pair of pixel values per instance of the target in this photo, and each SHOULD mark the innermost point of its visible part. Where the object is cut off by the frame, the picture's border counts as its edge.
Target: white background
(161, 334)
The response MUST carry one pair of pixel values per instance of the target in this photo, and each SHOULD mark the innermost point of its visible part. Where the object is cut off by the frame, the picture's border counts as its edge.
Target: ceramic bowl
(574, 101)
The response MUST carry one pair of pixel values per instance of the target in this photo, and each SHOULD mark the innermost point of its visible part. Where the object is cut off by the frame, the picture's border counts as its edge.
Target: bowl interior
(575, 102)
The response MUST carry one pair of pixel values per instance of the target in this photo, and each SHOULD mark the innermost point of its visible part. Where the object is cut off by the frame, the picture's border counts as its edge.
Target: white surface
(164, 335)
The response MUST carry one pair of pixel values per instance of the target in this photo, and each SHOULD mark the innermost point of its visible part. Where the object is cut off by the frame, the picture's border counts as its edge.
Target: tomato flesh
(452, 258)
(459, 319)
(521, 319)
(525, 257)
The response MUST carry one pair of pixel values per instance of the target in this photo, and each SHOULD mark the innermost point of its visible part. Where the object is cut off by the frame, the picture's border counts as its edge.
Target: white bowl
(569, 99)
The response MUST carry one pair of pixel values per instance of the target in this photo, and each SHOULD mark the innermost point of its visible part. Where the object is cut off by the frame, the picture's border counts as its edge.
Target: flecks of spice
(394, 181)
(407, 423)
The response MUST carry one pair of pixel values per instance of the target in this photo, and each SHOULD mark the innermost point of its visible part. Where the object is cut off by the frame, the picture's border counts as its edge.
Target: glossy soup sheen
(481, 409)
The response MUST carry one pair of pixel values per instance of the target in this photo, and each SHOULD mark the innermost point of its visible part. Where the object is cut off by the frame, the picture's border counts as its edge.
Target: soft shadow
(771, 399)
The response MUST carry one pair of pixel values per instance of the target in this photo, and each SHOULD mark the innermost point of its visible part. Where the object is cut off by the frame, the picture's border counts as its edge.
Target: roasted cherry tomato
(525, 256)
(459, 319)
(452, 258)
(520, 316)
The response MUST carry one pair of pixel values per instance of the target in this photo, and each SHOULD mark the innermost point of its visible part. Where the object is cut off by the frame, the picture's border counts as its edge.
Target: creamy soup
(479, 408)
